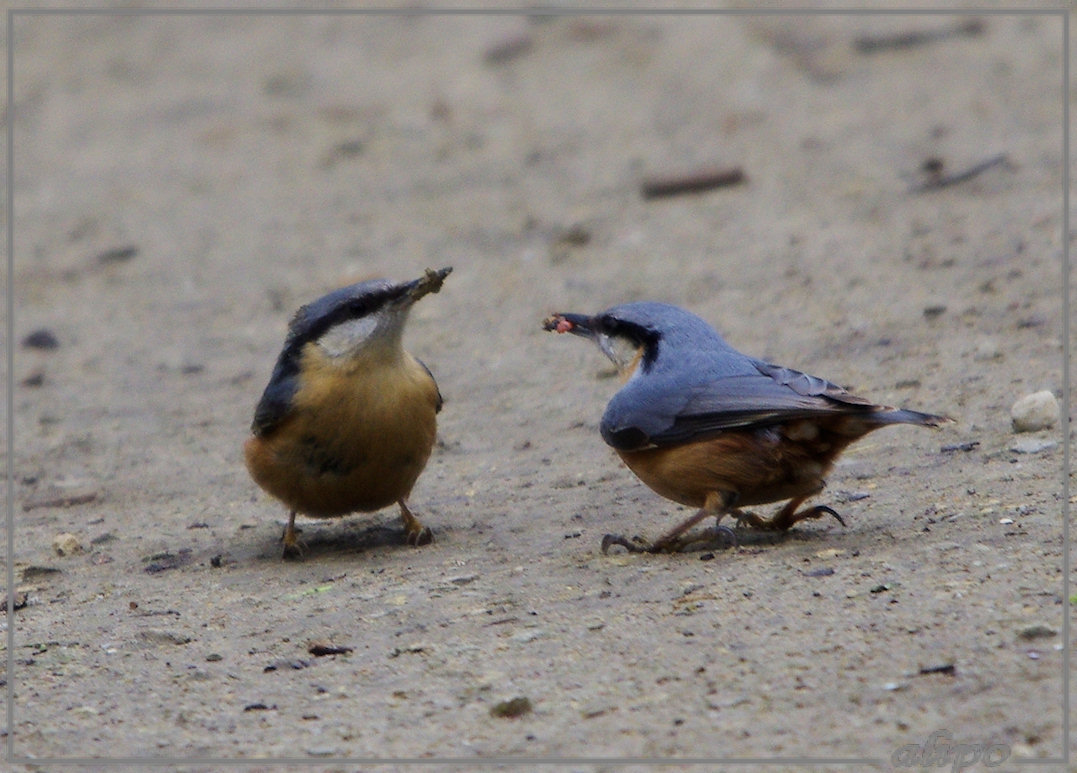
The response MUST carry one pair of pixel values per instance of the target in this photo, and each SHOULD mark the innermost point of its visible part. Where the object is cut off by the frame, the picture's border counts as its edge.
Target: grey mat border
(481, 762)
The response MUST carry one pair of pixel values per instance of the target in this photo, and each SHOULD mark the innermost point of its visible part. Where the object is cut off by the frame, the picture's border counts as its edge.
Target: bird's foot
(820, 510)
(293, 546)
(635, 545)
(415, 533)
(715, 538)
(785, 519)
(419, 536)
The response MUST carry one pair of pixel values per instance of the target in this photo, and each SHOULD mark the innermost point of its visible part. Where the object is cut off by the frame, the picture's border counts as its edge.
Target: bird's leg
(293, 548)
(716, 505)
(414, 531)
(787, 516)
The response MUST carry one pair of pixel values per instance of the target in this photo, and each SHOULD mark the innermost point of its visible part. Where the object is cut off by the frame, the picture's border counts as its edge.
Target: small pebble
(163, 562)
(62, 496)
(987, 349)
(34, 379)
(157, 636)
(118, 254)
(528, 635)
(508, 48)
(511, 709)
(33, 572)
(1033, 412)
(943, 668)
(1032, 445)
(967, 446)
(42, 338)
(321, 648)
(66, 544)
(285, 664)
(1036, 632)
(18, 601)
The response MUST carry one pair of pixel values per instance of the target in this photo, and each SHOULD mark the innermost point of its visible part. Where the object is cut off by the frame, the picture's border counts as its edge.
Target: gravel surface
(183, 183)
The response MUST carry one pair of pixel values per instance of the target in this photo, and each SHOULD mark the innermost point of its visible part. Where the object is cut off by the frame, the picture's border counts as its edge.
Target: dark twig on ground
(693, 182)
(936, 179)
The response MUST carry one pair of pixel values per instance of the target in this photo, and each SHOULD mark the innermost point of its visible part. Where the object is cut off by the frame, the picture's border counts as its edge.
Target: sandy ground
(182, 184)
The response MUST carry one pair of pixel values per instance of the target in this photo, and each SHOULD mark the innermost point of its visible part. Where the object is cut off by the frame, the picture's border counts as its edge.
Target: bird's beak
(578, 324)
(584, 326)
(430, 282)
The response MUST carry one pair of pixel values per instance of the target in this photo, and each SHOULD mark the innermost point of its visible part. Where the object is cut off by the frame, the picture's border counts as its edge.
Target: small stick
(508, 49)
(870, 44)
(695, 182)
(937, 180)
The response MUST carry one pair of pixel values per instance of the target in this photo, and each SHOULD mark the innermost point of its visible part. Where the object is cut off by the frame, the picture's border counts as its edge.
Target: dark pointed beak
(430, 282)
(579, 324)
(585, 327)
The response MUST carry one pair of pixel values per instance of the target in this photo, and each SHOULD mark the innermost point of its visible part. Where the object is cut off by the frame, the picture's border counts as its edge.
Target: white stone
(66, 544)
(1032, 445)
(1033, 412)
(987, 349)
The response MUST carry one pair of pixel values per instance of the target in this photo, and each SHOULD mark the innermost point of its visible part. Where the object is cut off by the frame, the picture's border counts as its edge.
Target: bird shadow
(706, 540)
(339, 537)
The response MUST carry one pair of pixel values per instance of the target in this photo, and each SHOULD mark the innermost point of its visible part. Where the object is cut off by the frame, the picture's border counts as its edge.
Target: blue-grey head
(669, 357)
(346, 321)
(362, 319)
(648, 337)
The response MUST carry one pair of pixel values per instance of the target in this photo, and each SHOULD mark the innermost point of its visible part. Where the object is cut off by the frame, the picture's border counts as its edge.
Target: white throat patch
(352, 335)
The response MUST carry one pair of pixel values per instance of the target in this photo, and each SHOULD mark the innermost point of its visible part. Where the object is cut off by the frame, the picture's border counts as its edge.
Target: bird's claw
(727, 534)
(720, 536)
(634, 545)
(785, 519)
(820, 510)
(293, 547)
(419, 536)
(415, 533)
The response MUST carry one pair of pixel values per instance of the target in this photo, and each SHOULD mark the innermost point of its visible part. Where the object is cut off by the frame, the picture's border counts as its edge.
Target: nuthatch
(348, 419)
(709, 427)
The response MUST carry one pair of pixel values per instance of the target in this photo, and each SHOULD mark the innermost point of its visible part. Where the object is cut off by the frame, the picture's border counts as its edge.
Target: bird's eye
(610, 323)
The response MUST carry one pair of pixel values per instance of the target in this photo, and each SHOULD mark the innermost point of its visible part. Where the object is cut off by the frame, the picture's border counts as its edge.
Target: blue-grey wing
(277, 399)
(646, 414)
(441, 400)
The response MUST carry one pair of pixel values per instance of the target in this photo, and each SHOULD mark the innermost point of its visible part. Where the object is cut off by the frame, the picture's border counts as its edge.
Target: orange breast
(357, 440)
(760, 466)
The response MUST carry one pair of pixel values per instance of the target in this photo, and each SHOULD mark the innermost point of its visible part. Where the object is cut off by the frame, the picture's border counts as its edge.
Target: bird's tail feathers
(905, 416)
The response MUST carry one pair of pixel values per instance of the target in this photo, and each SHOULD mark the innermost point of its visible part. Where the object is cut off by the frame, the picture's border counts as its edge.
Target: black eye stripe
(638, 333)
(641, 335)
